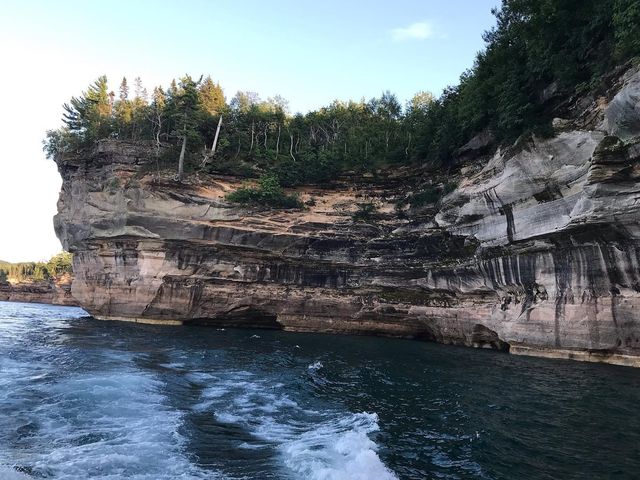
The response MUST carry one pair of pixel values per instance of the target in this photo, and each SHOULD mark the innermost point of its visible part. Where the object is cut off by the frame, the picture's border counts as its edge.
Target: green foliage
(89, 115)
(538, 53)
(113, 185)
(448, 187)
(36, 271)
(269, 193)
(429, 195)
(59, 141)
(626, 22)
(60, 264)
(366, 212)
(212, 97)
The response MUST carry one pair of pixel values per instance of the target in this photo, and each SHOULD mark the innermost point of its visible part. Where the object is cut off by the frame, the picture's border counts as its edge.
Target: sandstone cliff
(536, 251)
(54, 292)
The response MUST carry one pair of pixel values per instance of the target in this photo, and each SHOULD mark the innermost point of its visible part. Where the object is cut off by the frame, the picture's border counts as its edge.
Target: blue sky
(308, 52)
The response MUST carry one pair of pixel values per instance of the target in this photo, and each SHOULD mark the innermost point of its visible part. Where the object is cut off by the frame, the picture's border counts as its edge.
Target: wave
(317, 445)
(106, 425)
(315, 366)
(8, 473)
(338, 449)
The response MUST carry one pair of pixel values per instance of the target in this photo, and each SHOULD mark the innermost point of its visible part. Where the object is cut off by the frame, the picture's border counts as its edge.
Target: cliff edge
(536, 250)
(55, 291)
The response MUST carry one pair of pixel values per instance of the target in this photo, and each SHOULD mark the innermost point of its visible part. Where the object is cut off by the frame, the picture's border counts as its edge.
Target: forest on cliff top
(36, 271)
(539, 54)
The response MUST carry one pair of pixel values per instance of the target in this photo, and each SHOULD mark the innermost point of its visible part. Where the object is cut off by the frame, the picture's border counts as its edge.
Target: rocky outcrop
(55, 292)
(536, 251)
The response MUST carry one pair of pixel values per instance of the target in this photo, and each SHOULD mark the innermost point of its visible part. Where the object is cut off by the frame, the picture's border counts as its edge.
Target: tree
(626, 22)
(90, 113)
(420, 102)
(124, 110)
(138, 109)
(187, 114)
(59, 264)
(244, 101)
(212, 97)
(157, 113)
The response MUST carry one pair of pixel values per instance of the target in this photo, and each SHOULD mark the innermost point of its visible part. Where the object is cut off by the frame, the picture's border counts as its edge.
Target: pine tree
(124, 111)
(212, 97)
(187, 115)
(90, 113)
(124, 89)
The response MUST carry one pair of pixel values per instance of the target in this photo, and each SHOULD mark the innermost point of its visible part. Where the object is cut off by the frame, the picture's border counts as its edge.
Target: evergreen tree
(124, 111)
(90, 114)
(187, 113)
(212, 97)
(626, 21)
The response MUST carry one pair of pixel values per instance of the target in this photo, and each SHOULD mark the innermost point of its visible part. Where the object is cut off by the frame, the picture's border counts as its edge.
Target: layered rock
(536, 251)
(55, 292)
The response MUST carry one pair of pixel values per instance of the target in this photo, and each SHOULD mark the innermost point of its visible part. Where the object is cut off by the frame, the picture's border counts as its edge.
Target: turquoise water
(83, 399)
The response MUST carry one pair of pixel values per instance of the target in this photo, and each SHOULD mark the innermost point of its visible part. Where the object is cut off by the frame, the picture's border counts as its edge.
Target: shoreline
(590, 356)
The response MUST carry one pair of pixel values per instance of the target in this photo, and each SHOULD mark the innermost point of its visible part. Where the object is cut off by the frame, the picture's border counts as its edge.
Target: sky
(310, 52)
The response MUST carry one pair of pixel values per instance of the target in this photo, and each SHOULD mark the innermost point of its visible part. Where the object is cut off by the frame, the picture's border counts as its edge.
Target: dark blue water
(82, 399)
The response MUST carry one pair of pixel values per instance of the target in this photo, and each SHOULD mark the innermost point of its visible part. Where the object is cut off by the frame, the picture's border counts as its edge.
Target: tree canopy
(538, 53)
(36, 271)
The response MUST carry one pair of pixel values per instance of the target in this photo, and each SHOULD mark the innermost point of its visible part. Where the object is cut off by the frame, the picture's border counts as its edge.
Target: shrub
(366, 212)
(429, 195)
(269, 193)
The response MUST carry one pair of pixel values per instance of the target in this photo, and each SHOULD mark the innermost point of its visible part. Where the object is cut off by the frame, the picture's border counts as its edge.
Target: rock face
(54, 292)
(537, 250)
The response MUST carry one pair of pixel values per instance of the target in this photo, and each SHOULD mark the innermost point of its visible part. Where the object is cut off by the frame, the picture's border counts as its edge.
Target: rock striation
(55, 292)
(536, 251)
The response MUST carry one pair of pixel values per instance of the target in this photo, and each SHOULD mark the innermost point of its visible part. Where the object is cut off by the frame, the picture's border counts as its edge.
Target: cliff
(55, 292)
(535, 251)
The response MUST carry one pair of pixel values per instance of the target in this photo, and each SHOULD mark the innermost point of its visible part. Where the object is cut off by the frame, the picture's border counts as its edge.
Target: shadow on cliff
(244, 317)
(481, 337)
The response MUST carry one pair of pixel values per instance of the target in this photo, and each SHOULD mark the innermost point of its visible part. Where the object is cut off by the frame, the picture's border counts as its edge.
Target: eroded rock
(538, 251)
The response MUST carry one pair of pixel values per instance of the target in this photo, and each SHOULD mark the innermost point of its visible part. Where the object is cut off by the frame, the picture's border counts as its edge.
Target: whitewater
(81, 398)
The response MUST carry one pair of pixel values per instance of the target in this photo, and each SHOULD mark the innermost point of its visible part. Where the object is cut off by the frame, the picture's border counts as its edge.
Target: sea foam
(317, 445)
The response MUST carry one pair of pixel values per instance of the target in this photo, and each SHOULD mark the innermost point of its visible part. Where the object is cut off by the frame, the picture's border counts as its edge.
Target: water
(81, 398)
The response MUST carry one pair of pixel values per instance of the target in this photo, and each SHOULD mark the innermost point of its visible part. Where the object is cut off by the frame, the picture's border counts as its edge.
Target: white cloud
(415, 31)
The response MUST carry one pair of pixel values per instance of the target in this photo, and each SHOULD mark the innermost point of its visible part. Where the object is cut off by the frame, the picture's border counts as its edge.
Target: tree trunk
(239, 146)
(252, 132)
(181, 160)
(278, 142)
(158, 147)
(291, 147)
(215, 139)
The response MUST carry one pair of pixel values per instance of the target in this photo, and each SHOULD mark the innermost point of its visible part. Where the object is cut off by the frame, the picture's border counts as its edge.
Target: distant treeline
(539, 53)
(36, 271)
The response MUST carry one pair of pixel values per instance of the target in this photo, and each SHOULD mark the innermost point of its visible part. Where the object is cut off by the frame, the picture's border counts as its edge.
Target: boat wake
(318, 445)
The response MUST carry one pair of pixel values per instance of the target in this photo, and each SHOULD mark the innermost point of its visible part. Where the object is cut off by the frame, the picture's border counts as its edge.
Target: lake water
(81, 398)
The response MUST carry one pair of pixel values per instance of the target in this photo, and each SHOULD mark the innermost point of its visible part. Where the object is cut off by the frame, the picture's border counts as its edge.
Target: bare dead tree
(291, 146)
(182, 151)
(213, 145)
(252, 134)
